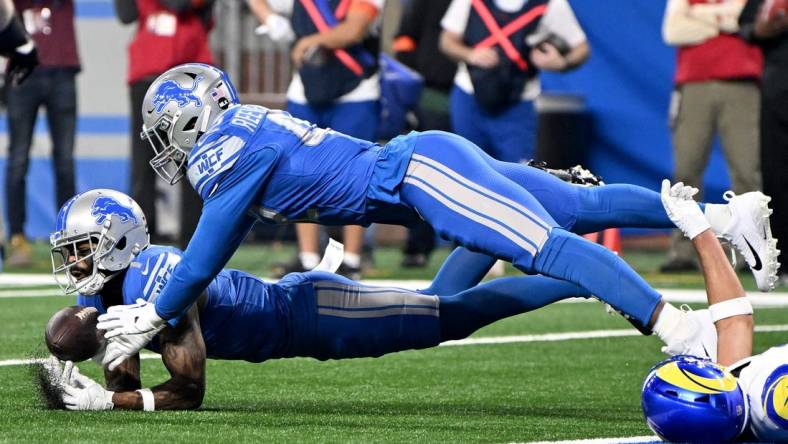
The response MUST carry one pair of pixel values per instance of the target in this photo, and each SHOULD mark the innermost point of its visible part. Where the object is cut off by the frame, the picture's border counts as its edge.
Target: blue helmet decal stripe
(230, 87)
(62, 215)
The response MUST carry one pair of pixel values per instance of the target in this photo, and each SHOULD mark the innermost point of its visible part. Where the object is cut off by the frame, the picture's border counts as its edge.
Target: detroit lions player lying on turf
(100, 249)
(679, 409)
(248, 163)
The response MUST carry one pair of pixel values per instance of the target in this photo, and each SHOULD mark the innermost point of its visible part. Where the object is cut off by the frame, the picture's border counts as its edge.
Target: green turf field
(572, 389)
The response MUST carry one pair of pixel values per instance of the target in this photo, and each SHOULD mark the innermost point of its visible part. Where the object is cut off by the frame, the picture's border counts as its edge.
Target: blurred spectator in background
(416, 45)
(20, 50)
(169, 32)
(716, 92)
(336, 86)
(765, 23)
(501, 46)
(16, 45)
(52, 85)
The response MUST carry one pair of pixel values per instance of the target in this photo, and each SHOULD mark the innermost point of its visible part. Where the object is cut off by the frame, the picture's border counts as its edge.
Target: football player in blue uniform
(250, 163)
(100, 249)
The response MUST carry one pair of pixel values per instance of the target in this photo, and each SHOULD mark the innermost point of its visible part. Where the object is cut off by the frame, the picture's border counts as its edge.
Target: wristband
(730, 308)
(148, 403)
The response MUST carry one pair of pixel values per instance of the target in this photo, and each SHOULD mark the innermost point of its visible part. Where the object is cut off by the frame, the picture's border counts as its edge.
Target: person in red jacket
(716, 92)
(169, 33)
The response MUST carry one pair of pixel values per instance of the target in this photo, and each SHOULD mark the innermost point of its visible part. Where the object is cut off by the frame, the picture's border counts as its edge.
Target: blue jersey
(242, 318)
(260, 164)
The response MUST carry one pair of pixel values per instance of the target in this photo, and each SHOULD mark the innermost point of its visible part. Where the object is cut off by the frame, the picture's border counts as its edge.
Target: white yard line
(21, 279)
(760, 300)
(572, 335)
(37, 293)
(632, 439)
(548, 337)
(12, 362)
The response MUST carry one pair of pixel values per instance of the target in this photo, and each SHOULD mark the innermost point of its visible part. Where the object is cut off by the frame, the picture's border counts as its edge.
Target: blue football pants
(355, 320)
(481, 204)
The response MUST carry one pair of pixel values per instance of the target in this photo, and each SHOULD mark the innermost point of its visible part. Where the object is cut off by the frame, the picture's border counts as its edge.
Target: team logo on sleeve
(775, 396)
(171, 91)
(106, 206)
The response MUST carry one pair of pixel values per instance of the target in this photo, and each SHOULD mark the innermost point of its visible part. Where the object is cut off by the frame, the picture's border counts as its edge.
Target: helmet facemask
(170, 160)
(68, 253)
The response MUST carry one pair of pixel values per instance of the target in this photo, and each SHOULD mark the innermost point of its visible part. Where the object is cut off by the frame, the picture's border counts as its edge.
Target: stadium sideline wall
(627, 84)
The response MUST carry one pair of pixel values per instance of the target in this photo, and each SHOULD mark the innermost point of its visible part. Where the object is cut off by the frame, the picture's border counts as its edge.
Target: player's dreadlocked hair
(50, 394)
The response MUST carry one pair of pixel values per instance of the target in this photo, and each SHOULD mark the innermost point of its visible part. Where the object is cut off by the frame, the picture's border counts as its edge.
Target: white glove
(682, 209)
(277, 28)
(129, 328)
(83, 393)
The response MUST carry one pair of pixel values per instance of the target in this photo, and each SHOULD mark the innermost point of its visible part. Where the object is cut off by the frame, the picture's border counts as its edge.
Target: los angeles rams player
(728, 328)
(250, 163)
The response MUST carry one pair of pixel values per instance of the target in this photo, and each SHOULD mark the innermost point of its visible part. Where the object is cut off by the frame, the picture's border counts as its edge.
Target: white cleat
(750, 233)
(695, 335)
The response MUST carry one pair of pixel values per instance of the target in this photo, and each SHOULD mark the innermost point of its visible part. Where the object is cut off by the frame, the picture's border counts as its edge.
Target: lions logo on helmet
(688, 399)
(105, 206)
(171, 91)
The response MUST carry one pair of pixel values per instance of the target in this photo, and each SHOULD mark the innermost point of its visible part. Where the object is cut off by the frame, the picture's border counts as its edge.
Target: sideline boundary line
(627, 440)
(491, 340)
(10, 280)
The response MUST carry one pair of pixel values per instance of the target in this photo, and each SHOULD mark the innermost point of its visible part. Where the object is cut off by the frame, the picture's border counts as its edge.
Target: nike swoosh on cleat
(758, 265)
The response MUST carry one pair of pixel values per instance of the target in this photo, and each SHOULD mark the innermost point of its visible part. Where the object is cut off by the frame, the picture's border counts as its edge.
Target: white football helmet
(178, 108)
(104, 226)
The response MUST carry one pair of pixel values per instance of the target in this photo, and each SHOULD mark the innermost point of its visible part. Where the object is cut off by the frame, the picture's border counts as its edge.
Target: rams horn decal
(673, 374)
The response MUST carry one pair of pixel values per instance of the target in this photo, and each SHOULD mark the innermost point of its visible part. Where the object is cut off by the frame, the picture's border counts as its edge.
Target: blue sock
(600, 271)
(619, 205)
(588, 209)
(472, 309)
(460, 271)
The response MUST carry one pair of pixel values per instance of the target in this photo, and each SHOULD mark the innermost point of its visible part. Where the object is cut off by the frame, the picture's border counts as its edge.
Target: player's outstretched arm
(225, 220)
(125, 377)
(724, 292)
(183, 353)
(729, 308)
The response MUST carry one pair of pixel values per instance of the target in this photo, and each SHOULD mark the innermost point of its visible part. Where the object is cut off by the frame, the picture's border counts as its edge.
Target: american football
(71, 333)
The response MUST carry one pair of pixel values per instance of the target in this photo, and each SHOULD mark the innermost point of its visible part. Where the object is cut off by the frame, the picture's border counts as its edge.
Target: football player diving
(100, 250)
(251, 163)
(691, 400)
